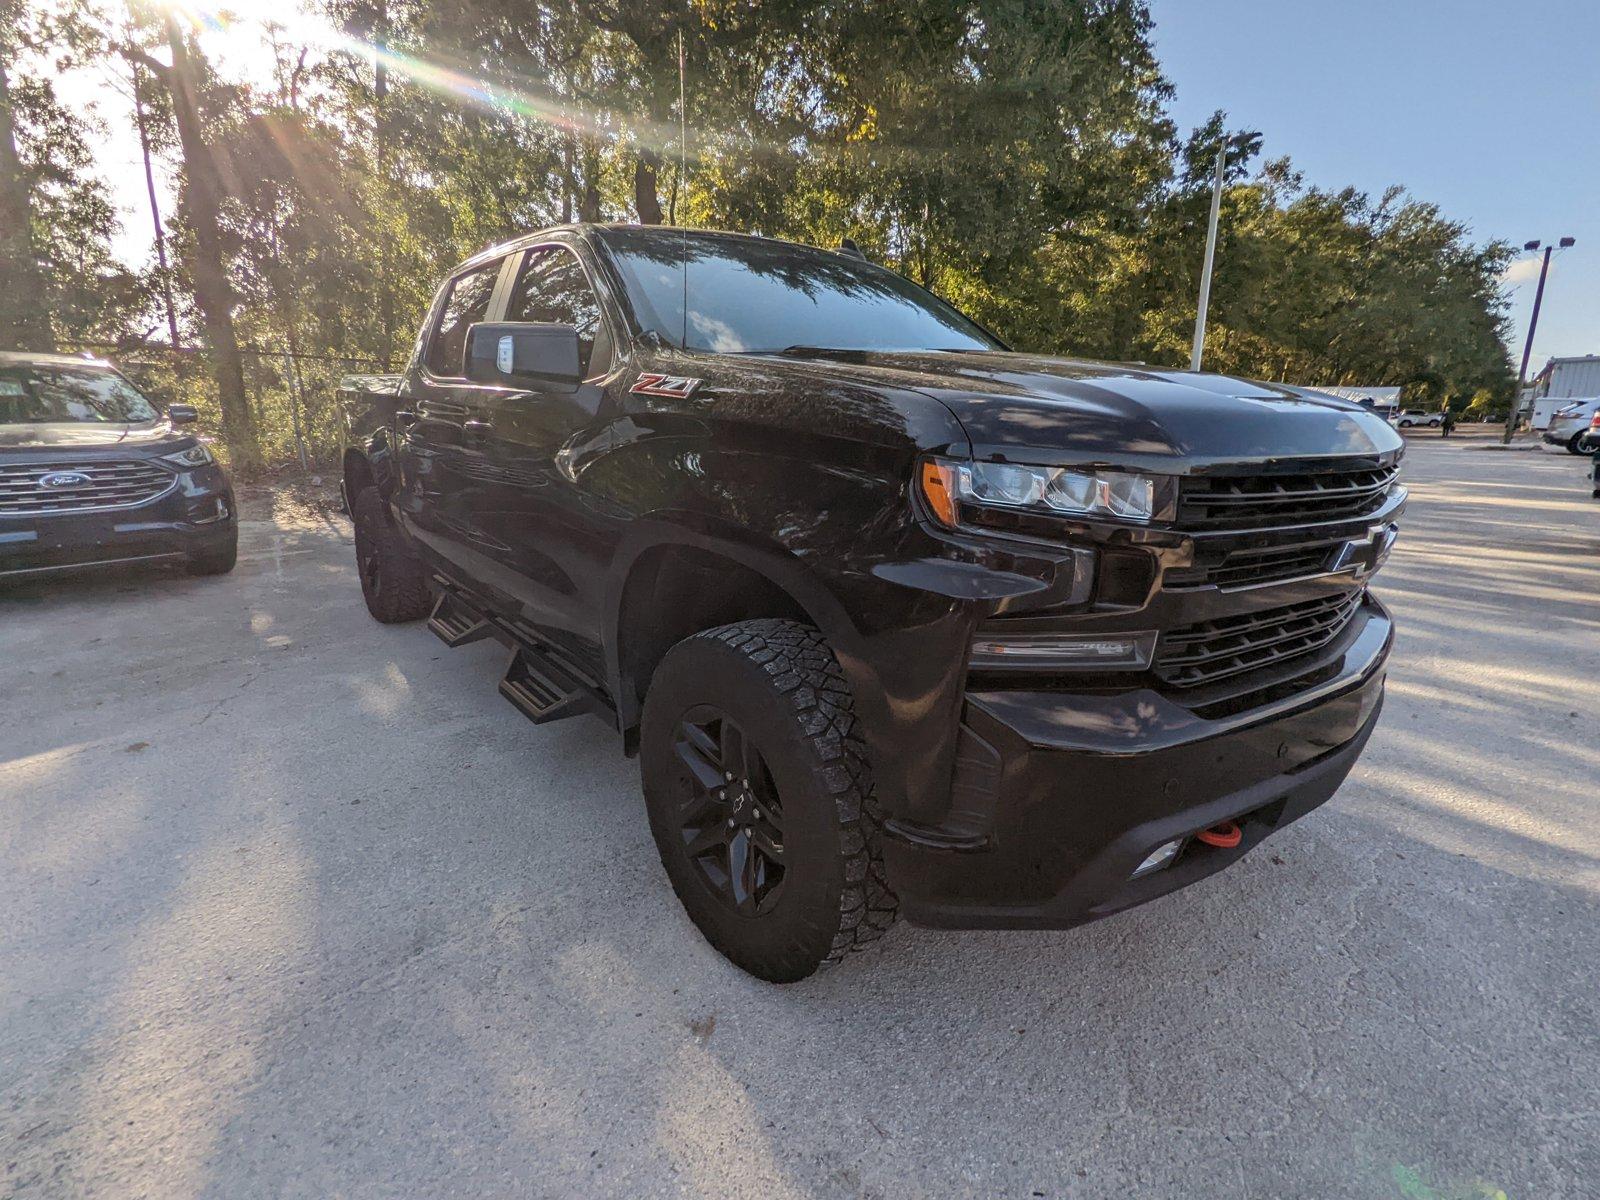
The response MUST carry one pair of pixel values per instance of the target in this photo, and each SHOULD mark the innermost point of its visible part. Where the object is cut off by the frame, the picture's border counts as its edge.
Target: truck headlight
(1121, 494)
(194, 456)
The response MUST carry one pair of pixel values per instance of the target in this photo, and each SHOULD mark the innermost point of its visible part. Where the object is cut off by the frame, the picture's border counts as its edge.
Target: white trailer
(1564, 379)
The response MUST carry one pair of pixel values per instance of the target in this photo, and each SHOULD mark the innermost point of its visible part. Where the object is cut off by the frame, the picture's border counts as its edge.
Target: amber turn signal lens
(938, 490)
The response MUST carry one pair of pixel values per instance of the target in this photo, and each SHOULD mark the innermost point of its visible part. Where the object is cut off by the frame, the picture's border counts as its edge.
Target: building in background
(1563, 379)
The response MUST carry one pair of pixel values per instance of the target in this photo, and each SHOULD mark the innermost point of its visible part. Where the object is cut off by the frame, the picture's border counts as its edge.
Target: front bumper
(197, 516)
(1084, 786)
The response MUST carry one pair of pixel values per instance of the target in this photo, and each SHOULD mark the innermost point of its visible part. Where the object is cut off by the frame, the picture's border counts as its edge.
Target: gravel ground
(294, 904)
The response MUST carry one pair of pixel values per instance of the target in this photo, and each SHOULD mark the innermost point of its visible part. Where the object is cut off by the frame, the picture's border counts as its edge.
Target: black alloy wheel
(761, 800)
(731, 822)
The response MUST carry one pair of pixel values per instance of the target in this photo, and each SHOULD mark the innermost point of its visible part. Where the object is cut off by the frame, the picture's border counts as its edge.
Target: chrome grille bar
(110, 484)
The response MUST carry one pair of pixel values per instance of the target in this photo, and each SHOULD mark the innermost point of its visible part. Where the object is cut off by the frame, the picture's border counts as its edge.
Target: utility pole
(1211, 258)
(1533, 325)
(380, 162)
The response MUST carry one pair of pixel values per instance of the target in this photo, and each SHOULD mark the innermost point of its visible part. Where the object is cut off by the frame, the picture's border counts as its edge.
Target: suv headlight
(1123, 495)
(194, 456)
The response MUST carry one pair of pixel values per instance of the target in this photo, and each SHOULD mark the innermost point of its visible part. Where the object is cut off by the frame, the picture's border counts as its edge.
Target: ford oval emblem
(64, 479)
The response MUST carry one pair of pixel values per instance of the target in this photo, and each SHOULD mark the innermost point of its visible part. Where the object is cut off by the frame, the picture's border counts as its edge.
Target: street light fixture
(1565, 243)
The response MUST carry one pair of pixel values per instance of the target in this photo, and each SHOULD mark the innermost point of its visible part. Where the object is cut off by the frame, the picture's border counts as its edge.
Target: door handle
(476, 428)
(404, 417)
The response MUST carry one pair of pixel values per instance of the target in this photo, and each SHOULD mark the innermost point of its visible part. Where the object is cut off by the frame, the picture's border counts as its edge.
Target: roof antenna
(682, 182)
(849, 249)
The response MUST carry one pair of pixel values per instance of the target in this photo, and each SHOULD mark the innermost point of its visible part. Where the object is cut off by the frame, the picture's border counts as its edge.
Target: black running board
(541, 680)
(543, 689)
(455, 622)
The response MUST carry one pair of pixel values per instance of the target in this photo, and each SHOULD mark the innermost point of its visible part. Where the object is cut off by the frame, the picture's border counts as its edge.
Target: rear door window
(465, 305)
(552, 289)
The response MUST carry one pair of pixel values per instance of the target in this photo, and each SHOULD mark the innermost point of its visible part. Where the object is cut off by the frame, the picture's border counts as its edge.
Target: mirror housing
(182, 414)
(524, 354)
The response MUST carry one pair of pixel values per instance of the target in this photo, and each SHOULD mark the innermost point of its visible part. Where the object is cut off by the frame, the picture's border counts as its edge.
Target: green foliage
(1016, 156)
(86, 293)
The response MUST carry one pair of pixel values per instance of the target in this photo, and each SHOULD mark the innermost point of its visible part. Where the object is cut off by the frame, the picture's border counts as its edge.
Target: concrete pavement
(295, 905)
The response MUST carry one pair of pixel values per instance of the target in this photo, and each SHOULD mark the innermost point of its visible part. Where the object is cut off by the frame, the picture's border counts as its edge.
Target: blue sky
(1489, 109)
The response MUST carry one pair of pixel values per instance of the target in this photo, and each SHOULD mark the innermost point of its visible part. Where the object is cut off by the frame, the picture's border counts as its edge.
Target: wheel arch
(659, 596)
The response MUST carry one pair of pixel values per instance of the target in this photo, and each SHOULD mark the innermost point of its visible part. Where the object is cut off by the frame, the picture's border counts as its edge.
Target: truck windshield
(38, 393)
(747, 295)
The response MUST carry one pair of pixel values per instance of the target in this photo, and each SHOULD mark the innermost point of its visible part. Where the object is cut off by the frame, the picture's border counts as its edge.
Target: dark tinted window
(37, 394)
(552, 289)
(465, 306)
(748, 295)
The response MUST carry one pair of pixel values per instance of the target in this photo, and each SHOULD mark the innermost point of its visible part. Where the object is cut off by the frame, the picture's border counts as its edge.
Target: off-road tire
(215, 562)
(783, 686)
(394, 582)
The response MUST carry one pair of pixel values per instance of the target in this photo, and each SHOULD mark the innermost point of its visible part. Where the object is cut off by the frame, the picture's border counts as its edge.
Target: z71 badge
(652, 383)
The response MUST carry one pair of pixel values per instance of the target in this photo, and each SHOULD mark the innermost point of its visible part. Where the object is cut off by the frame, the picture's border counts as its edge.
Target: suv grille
(118, 483)
(1274, 501)
(1197, 654)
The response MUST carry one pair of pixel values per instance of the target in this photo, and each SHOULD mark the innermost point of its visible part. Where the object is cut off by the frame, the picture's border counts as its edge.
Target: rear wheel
(760, 798)
(1575, 443)
(394, 582)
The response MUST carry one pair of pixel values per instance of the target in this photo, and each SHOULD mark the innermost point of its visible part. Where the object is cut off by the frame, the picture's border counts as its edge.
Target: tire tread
(801, 666)
(405, 595)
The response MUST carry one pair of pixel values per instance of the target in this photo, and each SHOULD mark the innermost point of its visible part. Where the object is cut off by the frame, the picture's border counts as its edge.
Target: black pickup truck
(899, 622)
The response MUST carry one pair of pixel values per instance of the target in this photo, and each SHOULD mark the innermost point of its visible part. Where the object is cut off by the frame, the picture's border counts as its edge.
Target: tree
(60, 284)
(24, 321)
(203, 195)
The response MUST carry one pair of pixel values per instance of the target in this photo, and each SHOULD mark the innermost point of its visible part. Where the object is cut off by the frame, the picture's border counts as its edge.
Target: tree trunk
(155, 209)
(646, 200)
(213, 294)
(24, 314)
(589, 197)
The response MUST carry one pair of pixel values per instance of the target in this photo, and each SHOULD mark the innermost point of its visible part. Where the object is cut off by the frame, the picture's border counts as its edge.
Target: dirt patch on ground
(290, 499)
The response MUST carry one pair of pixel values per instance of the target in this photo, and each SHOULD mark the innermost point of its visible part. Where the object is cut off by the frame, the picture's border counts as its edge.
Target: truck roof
(28, 357)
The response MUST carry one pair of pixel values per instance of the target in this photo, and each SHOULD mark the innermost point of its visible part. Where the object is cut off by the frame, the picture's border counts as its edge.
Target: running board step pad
(456, 623)
(542, 689)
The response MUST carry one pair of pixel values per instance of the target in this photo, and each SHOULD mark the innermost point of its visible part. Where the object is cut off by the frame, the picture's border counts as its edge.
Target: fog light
(1161, 856)
(1054, 651)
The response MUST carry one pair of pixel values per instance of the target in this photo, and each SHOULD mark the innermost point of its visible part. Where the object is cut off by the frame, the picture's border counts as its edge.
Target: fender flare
(784, 571)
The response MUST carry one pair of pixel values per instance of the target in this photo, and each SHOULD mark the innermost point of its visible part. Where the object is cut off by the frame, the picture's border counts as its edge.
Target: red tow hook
(1224, 836)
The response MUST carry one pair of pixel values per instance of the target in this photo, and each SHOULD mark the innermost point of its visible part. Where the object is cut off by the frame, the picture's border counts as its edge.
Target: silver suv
(1569, 424)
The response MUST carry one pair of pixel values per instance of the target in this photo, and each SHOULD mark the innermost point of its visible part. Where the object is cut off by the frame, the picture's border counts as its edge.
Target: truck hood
(84, 435)
(1027, 408)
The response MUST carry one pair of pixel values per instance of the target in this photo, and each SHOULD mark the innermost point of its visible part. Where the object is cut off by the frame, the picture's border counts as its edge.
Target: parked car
(1416, 416)
(91, 474)
(1569, 426)
(1591, 445)
(898, 621)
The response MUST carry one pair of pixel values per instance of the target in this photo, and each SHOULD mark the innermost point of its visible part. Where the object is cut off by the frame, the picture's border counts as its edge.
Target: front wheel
(216, 562)
(760, 798)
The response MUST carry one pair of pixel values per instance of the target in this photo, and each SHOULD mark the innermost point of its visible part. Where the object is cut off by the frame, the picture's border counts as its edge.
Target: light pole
(1211, 257)
(1533, 324)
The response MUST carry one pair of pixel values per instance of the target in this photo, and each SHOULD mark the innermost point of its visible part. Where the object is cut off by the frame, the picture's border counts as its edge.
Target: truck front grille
(1274, 501)
(1204, 653)
(1251, 568)
(76, 487)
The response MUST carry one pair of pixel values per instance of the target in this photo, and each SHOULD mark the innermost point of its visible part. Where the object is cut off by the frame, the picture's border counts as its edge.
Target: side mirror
(527, 353)
(182, 414)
